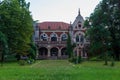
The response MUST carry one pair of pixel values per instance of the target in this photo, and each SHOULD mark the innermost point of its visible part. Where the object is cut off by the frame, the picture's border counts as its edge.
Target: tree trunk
(2, 59)
(106, 59)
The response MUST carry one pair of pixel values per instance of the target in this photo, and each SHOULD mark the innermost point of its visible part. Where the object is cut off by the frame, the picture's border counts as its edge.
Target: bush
(72, 59)
(76, 59)
(22, 62)
(80, 59)
(30, 61)
(10, 58)
(97, 58)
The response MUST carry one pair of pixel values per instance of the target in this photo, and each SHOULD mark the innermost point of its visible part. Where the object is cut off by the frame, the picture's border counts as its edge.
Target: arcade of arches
(53, 52)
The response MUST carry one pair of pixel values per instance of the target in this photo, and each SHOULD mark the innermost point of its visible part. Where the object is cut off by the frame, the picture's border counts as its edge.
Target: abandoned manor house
(51, 38)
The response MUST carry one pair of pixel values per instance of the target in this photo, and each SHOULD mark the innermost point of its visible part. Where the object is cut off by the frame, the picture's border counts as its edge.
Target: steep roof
(53, 26)
(79, 18)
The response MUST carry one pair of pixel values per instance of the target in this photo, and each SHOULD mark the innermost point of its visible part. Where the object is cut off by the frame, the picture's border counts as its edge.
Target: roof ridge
(54, 25)
(54, 22)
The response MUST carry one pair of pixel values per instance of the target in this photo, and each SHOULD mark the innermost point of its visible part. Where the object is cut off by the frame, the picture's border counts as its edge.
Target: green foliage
(3, 47)
(30, 61)
(96, 58)
(69, 47)
(99, 39)
(10, 58)
(104, 30)
(112, 62)
(87, 23)
(3, 43)
(22, 62)
(32, 51)
(76, 59)
(16, 24)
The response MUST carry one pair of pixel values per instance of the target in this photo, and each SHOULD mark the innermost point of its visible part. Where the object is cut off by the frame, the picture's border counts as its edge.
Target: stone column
(37, 54)
(48, 39)
(48, 52)
(59, 53)
(86, 55)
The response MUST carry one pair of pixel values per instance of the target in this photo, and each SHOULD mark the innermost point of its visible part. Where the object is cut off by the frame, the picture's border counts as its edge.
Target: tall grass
(59, 70)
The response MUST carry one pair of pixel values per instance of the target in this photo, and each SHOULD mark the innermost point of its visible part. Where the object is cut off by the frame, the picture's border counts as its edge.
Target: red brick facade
(51, 38)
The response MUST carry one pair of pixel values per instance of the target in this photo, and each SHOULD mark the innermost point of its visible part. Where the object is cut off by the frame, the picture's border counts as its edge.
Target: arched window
(77, 38)
(53, 37)
(64, 37)
(43, 37)
(54, 51)
(63, 51)
(82, 39)
(79, 24)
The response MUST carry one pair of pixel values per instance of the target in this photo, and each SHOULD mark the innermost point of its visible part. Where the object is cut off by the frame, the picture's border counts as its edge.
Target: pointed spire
(79, 11)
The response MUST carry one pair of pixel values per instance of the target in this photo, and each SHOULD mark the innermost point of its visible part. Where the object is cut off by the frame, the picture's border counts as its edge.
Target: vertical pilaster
(48, 52)
(59, 53)
(85, 55)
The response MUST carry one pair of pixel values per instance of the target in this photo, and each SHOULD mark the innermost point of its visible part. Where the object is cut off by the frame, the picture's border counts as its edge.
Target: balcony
(51, 43)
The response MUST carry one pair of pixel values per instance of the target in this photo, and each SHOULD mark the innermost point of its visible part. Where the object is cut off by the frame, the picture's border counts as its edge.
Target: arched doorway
(63, 51)
(54, 52)
(43, 52)
(64, 54)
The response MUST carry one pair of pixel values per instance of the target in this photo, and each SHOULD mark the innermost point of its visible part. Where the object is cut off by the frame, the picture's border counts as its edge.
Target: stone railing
(44, 43)
(51, 42)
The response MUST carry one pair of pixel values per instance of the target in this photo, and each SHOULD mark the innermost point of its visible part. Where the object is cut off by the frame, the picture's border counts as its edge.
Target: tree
(98, 33)
(114, 26)
(3, 47)
(105, 28)
(16, 24)
(69, 47)
(32, 51)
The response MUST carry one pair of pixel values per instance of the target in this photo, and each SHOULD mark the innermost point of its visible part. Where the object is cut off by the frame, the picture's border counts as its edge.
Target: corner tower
(78, 36)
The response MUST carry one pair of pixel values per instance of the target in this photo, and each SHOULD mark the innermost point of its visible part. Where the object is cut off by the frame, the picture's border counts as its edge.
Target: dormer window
(79, 25)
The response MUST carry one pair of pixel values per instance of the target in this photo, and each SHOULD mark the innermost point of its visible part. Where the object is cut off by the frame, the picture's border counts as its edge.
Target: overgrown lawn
(60, 70)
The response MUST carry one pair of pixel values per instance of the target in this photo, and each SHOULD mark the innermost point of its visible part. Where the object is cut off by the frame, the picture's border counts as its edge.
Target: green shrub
(30, 61)
(80, 59)
(96, 59)
(22, 62)
(72, 60)
(10, 58)
(76, 59)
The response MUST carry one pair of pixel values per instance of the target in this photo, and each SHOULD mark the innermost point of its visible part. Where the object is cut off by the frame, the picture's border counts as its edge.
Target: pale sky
(61, 10)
